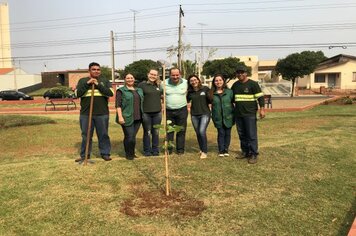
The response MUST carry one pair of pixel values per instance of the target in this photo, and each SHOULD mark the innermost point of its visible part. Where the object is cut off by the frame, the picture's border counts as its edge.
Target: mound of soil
(152, 203)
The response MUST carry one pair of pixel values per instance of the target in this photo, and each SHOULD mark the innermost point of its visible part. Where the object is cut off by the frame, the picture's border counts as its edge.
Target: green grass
(303, 184)
(18, 120)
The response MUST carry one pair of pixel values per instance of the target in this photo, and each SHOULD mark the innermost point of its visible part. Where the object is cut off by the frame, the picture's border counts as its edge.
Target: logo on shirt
(202, 93)
(246, 90)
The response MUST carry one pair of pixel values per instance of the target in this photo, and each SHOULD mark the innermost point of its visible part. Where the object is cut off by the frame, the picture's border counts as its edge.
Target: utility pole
(201, 42)
(15, 80)
(134, 34)
(180, 31)
(112, 56)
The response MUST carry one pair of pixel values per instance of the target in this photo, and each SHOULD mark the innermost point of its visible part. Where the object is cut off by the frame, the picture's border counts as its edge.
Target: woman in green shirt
(222, 113)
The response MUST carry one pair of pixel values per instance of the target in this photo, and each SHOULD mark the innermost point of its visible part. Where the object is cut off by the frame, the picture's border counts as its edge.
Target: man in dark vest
(100, 116)
(247, 93)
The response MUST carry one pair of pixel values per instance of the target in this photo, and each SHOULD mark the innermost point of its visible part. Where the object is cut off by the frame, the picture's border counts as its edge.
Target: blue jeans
(200, 124)
(224, 138)
(148, 121)
(101, 124)
(130, 133)
(247, 130)
(178, 117)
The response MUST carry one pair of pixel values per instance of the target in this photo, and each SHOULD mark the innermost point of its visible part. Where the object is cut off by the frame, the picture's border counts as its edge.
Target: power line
(76, 24)
(272, 9)
(172, 31)
(90, 16)
(164, 49)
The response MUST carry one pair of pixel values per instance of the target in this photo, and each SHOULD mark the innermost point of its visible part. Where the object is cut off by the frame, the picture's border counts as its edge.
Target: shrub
(347, 100)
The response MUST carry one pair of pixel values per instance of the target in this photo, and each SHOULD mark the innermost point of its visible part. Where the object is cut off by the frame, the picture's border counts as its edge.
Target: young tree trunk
(293, 85)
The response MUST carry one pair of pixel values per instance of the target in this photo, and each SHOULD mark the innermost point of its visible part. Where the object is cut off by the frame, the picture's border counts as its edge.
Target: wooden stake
(165, 129)
(89, 124)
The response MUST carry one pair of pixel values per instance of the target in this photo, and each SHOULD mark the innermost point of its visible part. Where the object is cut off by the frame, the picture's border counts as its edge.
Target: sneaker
(252, 160)
(106, 158)
(203, 155)
(221, 154)
(226, 154)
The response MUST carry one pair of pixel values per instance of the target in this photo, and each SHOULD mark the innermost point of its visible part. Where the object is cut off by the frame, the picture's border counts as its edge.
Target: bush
(59, 92)
(347, 100)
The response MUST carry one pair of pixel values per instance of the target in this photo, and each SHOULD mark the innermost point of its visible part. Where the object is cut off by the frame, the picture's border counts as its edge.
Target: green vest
(222, 109)
(127, 105)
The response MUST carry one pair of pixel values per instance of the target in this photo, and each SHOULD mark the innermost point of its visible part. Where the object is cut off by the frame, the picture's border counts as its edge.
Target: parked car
(59, 92)
(14, 95)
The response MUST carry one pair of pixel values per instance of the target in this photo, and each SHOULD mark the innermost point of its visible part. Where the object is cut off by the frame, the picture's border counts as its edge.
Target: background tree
(119, 74)
(189, 68)
(211, 52)
(139, 69)
(227, 67)
(297, 65)
(106, 72)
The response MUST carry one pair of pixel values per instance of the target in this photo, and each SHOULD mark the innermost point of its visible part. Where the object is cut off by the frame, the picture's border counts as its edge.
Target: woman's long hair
(213, 86)
(190, 87)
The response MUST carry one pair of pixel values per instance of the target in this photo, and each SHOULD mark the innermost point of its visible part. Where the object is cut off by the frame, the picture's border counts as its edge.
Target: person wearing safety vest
(100, 116)
(247, 93)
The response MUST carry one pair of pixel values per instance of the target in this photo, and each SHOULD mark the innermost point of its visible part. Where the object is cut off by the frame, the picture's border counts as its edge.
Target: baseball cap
(242, 69)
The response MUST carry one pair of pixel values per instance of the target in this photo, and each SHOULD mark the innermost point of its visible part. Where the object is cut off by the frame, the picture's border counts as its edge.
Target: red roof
(4, 71)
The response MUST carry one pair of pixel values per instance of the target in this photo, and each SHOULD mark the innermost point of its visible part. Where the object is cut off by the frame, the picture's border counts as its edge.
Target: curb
(352, 231)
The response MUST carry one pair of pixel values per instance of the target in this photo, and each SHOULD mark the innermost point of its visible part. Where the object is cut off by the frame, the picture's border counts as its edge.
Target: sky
(54, 35)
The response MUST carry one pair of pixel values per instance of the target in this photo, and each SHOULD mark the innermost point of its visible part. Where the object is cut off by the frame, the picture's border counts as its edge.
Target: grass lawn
(303, 184)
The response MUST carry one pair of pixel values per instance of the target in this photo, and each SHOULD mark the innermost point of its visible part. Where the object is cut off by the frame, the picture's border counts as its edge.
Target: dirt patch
(156, 203)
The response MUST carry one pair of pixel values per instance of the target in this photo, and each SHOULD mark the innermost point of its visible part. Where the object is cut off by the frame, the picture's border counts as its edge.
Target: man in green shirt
(247, 93)
(176, 103)
(100, 118)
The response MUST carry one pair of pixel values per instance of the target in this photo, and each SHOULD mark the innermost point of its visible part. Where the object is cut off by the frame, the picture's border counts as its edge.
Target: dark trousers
(200, 124)
(178, 117)
(148, 121)
(247, 130)
(101, 124)
(130, 133)
(224, 138)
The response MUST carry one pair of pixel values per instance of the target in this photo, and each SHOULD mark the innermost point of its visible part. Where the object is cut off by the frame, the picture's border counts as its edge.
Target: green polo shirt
(176, 94)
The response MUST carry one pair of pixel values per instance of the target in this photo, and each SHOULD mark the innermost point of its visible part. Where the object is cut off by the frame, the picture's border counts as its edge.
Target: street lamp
(134, 33)
(201, 41)
(201, 58)
(341, 46)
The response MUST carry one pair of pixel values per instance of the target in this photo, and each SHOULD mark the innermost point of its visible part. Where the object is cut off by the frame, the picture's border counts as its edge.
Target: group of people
(142, 104)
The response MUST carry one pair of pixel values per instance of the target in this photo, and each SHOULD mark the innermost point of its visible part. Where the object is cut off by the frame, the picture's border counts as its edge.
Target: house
(337, 73)
(17, 79)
